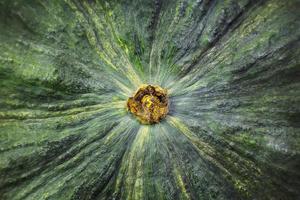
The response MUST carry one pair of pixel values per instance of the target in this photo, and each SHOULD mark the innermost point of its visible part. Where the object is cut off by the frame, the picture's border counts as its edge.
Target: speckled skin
(231, 68)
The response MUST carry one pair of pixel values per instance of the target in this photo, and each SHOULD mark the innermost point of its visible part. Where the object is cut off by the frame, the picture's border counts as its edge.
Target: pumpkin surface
(231, 69)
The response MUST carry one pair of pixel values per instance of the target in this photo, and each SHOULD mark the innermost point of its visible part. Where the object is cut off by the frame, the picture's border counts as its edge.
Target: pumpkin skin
(231, 68)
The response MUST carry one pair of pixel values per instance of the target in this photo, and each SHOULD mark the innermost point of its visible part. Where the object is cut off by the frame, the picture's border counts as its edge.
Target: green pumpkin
(232, 72)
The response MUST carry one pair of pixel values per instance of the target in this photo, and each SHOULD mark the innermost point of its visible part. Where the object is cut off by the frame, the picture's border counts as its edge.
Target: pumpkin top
(149, 104)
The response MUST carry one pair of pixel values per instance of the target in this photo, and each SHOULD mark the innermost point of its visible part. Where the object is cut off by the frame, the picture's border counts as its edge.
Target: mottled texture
(232, 70)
